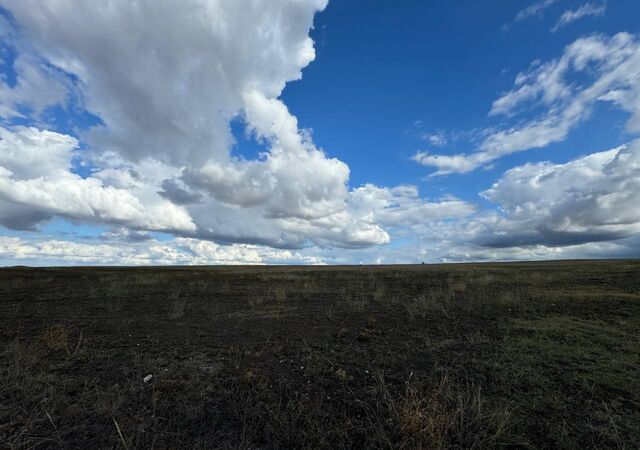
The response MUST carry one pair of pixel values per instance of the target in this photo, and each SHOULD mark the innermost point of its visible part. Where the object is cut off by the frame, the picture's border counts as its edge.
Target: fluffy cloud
(166, 82)
(612, 64)
(590, 199)
(294, 179)
(36, 183)
(29, 153)
(402, 206)
(147, 252)
(370, 216)
(584, 208)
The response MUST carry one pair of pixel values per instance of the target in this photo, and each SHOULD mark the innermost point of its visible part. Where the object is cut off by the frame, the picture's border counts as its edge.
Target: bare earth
(530, 355)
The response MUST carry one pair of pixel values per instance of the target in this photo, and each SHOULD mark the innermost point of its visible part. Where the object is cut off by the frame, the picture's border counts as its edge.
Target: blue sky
(440, 63)
(219, 131)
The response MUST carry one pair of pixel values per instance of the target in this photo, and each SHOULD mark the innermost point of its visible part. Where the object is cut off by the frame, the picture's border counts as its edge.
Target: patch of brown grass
(55, 337)
(443, 414)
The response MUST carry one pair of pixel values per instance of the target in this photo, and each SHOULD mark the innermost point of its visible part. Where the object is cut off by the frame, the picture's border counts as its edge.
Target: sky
(318, 132)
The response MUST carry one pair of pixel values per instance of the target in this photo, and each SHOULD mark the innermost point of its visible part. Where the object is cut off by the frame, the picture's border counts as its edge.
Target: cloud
(36, 183)
(569, 16)
(534, 10)
(611, 65)
(584, 208)
(176, 192)
(29, 153)
(590, 199)
(166, 81)
(446, 164)
(125, 235)
(402, 206)
(437, 139)
(370, 215)
(20, 217)
(294, 179)
(15, 250)
(38, 86)
(624, 248)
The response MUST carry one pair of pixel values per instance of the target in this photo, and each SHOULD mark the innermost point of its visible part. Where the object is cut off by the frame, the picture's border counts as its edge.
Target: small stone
(148, 378)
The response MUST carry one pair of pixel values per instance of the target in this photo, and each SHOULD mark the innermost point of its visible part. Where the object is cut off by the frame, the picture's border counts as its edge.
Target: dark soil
(531, 355)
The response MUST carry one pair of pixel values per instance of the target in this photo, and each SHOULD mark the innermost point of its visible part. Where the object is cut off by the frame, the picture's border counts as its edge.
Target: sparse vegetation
(55, 337)
(439, 414)
(535, 355)
(176, 306)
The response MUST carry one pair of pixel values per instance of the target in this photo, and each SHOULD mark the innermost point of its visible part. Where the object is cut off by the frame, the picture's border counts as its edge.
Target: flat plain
(528, 355)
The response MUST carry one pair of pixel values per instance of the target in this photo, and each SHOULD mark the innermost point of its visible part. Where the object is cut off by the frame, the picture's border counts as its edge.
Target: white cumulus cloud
(148, 252)
(35, 177)
(590, 199)
(166, 80)
(612, 66)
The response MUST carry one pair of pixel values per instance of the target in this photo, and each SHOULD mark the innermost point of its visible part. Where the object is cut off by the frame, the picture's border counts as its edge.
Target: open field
(533, 355)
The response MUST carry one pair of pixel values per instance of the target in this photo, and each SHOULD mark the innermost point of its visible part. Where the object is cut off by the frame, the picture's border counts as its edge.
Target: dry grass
(55, 337)
(443, 413)
(279, 294)
(354, 300)
(435, 300)
(177, 303)
(462, 356)
(255, 299)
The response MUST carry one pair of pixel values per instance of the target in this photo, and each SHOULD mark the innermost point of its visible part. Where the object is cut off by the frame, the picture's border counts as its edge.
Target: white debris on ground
(147, 378)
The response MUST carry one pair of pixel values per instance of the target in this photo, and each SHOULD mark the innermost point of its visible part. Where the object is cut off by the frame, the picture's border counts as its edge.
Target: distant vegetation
(533, 355)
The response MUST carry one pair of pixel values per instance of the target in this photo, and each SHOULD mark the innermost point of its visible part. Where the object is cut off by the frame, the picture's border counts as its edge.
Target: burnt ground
(530, 355)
